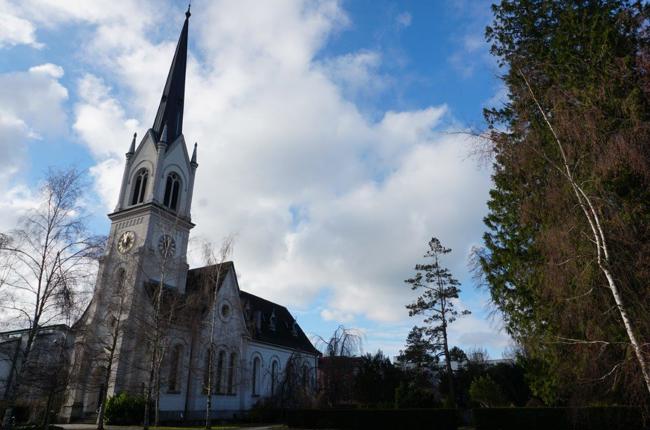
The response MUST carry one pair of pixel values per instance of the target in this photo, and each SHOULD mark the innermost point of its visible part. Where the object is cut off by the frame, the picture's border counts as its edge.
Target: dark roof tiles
(266, 321)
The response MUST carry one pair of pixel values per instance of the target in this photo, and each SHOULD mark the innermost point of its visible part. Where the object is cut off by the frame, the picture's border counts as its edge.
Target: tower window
(172, 190)
(140, 186)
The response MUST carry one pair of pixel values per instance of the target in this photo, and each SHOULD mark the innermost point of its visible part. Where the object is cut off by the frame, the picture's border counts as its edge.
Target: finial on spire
(132, 147)
(188, 14)
(193, 162)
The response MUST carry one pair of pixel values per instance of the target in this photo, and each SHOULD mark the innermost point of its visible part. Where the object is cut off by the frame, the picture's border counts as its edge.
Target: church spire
(170, 110)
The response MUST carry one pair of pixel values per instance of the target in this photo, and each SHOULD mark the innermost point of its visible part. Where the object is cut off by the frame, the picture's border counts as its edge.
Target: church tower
(152, 217)
(147, 244)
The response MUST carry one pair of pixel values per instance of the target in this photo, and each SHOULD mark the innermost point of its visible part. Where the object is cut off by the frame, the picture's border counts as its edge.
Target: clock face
(126, 242)
(166, 245)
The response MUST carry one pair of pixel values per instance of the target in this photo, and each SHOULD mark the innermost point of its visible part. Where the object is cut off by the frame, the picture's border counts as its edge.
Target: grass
(222, 427)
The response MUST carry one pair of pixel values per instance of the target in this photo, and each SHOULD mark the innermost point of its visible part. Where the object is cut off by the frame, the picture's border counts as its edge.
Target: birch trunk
(602, 251)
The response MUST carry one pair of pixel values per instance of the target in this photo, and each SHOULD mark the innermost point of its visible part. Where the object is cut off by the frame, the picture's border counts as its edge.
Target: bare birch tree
(598, 237)
(215, 263)
(47, 262)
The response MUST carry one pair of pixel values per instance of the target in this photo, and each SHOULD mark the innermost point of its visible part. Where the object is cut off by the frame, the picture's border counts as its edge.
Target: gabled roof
(266, 321)
(271, 323)
(170, 110)
(201, 277)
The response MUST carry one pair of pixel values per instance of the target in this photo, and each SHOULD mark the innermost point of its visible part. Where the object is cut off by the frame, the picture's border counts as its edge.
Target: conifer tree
(577, 76)
(436, 303)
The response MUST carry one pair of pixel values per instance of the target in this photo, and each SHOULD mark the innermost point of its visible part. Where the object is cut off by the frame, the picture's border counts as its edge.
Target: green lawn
(225, 427)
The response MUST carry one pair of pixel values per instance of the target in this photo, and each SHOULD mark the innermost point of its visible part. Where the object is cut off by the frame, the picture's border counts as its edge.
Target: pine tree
(437, 304)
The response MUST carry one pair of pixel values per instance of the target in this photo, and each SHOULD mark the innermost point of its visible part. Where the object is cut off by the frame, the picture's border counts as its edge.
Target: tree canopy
(587, 65)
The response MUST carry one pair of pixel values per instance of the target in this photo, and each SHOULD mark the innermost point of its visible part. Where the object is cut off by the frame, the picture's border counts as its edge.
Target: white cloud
(100, 120)
(48, 69)
(336, 315)
(500, 97)
(275, 133)
(31, 106)
(470, 332)
(35, 97)
(356, 73)
(278, 135)
(473, 42)
(16, 30)
(404, 19)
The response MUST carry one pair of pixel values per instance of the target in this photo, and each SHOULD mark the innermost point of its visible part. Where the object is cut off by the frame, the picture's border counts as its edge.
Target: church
(155, 324)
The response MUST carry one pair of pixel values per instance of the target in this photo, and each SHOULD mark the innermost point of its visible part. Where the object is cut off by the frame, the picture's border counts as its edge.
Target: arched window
(207, 371)
(219, 384)
(172, 191)
(305, 376)
(140, 186)
(274, 376)
(174, 368)
(256, 375)
(231, 373)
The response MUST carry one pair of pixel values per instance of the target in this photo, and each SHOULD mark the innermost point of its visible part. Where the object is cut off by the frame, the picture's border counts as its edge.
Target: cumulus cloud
(275, 133)
(320, 197)
(16, 30)
(357, 73)
(29, 95)
(31, 107)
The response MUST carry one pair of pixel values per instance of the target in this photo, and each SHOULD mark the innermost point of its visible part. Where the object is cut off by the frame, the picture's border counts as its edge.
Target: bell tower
(147, 244)
(152, 219)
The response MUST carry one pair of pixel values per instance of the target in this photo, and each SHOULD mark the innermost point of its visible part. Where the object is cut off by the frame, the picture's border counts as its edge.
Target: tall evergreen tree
(436, 303)
(586, 63)
(419, 352)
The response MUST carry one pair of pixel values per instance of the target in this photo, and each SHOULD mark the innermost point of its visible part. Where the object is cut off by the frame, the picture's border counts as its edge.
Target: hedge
(415, 419)
(125, 409)
(591, 418)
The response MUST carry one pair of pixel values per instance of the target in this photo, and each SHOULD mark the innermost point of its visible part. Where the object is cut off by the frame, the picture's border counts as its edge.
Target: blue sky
(327, 137)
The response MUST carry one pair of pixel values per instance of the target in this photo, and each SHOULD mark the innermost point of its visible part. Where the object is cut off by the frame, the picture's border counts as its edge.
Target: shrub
(125, 409)
(265, 411)
(486, 392)
(595, 418)
(376, 419)
(409, 395)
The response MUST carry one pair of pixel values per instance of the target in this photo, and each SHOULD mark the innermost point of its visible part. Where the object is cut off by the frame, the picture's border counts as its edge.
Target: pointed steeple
(170, 110)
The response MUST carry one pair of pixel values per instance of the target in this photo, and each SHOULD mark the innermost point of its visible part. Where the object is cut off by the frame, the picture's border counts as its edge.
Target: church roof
(267, 322)
(170, 110)
(272, 323)
(207, 275)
